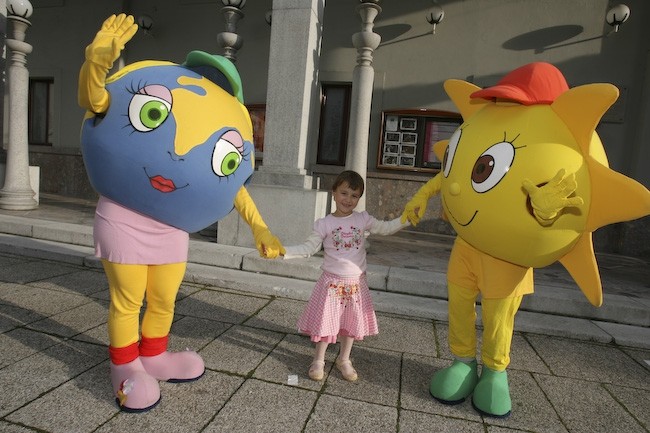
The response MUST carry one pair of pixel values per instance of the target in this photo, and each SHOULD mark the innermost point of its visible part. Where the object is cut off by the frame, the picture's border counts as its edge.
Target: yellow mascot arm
(415, 208)
(266, 243)
(100, 55)
(548, 200)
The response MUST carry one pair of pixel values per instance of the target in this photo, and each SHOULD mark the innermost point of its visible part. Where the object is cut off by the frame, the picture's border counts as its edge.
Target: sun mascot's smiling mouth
(446, 208)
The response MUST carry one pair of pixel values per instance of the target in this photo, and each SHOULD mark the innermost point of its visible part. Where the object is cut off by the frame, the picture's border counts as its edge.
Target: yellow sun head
(529, 126)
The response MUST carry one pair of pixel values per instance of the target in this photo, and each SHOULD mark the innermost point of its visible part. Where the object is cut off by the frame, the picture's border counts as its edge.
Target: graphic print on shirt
(346, 240)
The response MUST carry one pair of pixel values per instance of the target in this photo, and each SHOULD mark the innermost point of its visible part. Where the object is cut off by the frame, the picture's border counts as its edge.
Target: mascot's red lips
(162, 184)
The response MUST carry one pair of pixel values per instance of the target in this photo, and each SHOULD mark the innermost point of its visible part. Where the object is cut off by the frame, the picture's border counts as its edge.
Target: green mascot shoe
(453, 384)
(492, 394)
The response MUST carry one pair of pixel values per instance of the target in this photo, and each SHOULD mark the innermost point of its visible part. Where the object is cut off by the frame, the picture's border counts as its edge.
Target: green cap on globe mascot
(202, 62)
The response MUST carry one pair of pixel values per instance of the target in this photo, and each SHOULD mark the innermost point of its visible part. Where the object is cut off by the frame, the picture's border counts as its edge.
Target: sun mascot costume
(524, 182)
(169, 149)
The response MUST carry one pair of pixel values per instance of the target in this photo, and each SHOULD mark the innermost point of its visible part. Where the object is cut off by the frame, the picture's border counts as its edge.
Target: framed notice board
(407, 138)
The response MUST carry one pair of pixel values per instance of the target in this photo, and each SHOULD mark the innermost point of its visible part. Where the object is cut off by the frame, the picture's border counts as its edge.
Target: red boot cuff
(153, 346)
(123, 355)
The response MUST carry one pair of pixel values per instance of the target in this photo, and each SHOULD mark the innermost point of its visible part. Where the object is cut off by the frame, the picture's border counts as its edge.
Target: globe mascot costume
(524, 182)
(169, 149)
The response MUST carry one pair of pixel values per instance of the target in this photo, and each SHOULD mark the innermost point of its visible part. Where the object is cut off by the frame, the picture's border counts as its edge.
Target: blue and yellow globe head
(175, 143)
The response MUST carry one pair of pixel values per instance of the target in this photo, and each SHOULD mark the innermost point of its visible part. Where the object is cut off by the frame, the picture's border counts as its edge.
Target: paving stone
(41, 301)
(220, 306)
(240, 349)
(293, 356)
(73, 321)
(34, 271)
(194, 333)
(12, 316)
(403, 335)
(418, 422)
(83, 282)
(379, 377)
(183, 408)
(285, 409)
(79, 405)
(375, 418)
(21, 343)
(589, 361)
(279, 315)
(27, 379)
(636, 401)
(586, 407)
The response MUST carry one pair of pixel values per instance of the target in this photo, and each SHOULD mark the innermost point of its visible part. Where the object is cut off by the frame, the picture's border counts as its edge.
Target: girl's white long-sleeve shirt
(343, 239)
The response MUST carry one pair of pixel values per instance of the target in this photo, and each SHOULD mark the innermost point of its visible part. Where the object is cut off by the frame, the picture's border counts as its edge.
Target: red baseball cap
(531, 84)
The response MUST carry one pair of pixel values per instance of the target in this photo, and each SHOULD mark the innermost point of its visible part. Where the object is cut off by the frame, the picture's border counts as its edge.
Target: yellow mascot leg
(492, 393)
(453, 384)
(163, 282)
(135, 390)
(126, 285)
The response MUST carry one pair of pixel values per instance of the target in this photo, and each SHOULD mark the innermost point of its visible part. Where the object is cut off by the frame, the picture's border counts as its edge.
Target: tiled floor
(54, 369)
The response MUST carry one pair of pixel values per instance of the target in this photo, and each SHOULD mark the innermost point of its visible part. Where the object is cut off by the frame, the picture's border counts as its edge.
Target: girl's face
(346, 199)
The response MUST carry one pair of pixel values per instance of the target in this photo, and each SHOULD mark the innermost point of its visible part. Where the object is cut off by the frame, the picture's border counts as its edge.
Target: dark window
(334, 121)
(40, 111)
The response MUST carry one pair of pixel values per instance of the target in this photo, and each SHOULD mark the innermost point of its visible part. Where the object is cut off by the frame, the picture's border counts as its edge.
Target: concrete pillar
(16, 193)
(281, 187)
(365, 41)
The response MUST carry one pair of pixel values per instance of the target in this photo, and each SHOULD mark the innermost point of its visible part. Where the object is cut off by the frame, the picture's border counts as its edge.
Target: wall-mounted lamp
(239, 4)
(435, 16)
(145, 22)
(268, 16)
(20, 8)
(617, 15)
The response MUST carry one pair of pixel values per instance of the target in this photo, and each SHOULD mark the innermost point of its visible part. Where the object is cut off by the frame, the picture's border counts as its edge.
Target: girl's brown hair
(352, 178)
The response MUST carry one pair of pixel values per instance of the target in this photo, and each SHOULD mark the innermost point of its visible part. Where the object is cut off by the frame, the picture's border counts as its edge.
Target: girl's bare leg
(317, 367)
(343, 362)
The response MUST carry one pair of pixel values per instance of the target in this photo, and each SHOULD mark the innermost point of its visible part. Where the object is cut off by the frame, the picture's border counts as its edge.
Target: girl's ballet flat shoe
(316, 370)
(347, 371)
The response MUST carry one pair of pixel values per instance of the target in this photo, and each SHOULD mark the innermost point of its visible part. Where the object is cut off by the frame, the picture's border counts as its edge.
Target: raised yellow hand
(111, 39)
(417, 206)
(100, 55)
(548, 200)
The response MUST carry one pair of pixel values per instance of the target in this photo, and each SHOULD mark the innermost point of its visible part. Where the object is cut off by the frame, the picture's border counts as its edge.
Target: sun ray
(581, 263)
(615, 197)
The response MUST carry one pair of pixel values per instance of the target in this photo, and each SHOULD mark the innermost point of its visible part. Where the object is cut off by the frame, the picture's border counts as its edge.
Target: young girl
(340, 305)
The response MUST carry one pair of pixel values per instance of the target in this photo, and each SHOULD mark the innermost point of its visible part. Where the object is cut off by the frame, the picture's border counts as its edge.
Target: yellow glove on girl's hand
(548, 200)
(417, 206)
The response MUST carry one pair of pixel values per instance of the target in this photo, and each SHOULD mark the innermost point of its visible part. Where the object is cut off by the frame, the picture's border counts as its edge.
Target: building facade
(301, 82)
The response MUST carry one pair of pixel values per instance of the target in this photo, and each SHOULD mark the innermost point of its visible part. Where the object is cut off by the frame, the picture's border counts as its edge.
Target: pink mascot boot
(135, 390)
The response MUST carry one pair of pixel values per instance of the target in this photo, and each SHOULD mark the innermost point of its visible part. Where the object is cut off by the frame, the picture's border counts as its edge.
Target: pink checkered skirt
(339, 307)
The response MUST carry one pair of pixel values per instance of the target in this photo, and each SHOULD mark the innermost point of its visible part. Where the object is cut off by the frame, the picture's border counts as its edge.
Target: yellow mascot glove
(100, 55)
(266, 243)
(548, 200)
(417, 206)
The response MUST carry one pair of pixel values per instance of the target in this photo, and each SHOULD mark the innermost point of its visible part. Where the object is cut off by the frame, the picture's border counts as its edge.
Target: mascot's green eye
(230, 163)
(148, 112)
(225, 158)
(153, 113)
